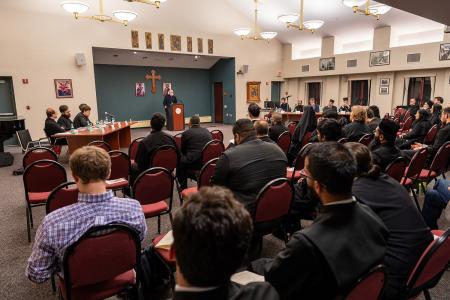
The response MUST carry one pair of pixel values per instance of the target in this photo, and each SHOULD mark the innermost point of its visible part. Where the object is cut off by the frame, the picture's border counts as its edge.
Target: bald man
(262, 131)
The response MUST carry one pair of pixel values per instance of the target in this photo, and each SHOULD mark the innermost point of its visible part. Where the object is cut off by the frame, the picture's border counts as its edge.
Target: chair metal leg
(427, 295)
(171, 219)
(28, 224)
(31, 217)
(52, 279)
(415, 199)
(159, 224)
(423, 187)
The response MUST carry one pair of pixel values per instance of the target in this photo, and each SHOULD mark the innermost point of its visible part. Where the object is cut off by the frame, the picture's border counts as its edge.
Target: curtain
(314, 89)
(359, 92)
(420, 88)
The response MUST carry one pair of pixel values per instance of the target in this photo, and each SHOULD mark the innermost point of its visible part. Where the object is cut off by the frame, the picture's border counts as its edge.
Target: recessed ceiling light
(197, 57)
(134, 52)
(144, 57)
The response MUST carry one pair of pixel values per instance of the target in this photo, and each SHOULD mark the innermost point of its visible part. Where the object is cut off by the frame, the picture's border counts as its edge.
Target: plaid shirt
(66, 225)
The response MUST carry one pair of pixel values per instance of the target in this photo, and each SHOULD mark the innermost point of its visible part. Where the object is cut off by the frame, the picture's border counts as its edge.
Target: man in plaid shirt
(96, 206)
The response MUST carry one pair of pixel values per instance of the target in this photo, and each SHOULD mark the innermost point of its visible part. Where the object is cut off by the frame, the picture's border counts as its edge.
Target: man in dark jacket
(193, 141)
(277, 128)
(383, 146)
(82, 118)
(64, 120)
(52, 127)
(262, 131)
(357, 128)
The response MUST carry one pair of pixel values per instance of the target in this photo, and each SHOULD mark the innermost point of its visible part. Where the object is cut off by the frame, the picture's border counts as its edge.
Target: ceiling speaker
(80, 59)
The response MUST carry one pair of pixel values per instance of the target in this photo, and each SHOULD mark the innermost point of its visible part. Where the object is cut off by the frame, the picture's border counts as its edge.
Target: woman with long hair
(307, 123)
(436, 112)
(419, 130)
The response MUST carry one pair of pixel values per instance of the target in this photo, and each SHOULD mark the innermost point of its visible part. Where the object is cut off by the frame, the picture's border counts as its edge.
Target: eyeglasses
(304, 174)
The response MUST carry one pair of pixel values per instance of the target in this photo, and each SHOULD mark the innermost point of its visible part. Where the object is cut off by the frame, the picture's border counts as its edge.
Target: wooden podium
(175, 121)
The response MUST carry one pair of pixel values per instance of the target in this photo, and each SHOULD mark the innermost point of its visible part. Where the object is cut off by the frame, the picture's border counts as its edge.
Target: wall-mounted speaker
(352, 63)
(414, 57)
(80, 59)
(244, 69)
(305, 68)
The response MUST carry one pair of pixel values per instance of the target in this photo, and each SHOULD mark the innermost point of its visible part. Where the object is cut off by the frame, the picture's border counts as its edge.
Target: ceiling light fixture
(375, 10)
(243, 33)
(156, 3)
(311, 25)
(77, 8)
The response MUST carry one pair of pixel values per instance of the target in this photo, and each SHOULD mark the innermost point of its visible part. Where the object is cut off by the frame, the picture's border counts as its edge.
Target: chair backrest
(405, 116)
(306, 138)
(43, 176)
(431, 265)
(63, 195)
(399, 112)
(441, 159)
(431, 135)
(101, 144)
(396, 169)
(370, 286)
(24, 138)
(154, 185)
(366, 139)
(274, 201)
(291, 127)
(165, 156)
(217, 135)
(38, 153)
(342, 140)
(206, 173)
(133, 148)
(416, 164)
(299, 162)
(284, 141)
(407, 125)
(120, 165)
(117, 250)
(177, 138)
(212, 149)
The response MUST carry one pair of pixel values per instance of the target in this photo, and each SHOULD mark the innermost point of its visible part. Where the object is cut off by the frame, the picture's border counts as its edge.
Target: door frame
(214, 102)
(9, 78)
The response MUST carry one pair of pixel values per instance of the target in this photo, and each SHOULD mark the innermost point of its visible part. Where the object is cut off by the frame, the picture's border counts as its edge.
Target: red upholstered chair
(177, 138)
(294, 174)
(396, 169)
(120, 170)
(38, 153)
(273, 206)
(405, 116)
(438, 165)
(101, 144)
(63, 195)
(306, 138)
(430, 267)
(284, 141)
(165, 156)
(153, 188)
(133, 148)
(109, 270)
(213, 149)
(366, 139)
(204, 178)
(291, 127)
(413, 171)
(217, 135)
(343, 140)
(399, 112)
(39, 180)
(406, 125)
(370, 286)
(431, 135)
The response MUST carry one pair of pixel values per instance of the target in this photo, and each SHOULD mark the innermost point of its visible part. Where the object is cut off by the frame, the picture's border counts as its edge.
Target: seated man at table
(64, 120)
(52, 127)
(345, 241)
(82, 118)
(284, 105)
(193, 141)
(277, 128)
(330, 106)
(212, 233)
(345, 107)
(262, 131)
(96, 206)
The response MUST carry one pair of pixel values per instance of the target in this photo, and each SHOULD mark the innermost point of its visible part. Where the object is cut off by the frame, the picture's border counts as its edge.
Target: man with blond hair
(96, 206)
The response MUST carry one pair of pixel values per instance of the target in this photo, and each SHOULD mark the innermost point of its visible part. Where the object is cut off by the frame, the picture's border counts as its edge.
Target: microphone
(287, 97)
(109, 115)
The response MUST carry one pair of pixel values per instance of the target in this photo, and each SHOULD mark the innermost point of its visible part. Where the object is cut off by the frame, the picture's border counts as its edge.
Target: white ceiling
(222, 16)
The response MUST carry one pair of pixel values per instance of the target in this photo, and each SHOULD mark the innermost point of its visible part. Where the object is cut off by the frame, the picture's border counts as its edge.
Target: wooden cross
(153, 78)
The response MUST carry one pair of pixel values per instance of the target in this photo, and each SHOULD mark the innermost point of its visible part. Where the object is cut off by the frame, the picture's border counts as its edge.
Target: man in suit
(315, 106)
(64, 120)
(212, 233)
(345, 107)
(169, 99)
(319, 262)
(82, 118)
(262, 131)
(277, 128)
(150, 143)
(299, 106)
(254, 112)
(284, 105)
(250, 165)
(330, 106)
(383, 147)
(192, 142)
(52, 127)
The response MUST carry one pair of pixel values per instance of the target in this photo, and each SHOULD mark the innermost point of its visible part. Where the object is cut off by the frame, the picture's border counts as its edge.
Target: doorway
(275, 92)
(420, 88)
(314, 90)
(359, 92)
(7, 102)
(218, 102)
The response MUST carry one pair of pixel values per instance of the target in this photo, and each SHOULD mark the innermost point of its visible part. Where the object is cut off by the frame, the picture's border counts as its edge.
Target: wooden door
(218, 102)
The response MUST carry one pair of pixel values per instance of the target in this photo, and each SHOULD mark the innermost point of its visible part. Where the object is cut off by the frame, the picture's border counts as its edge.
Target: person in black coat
(193, 141)
(419, 130)
(307, 123)
(277, 128)
(299, 106)
(436, 113)
(373, 117)
(169, 99)
(345, 107)
(212, 233)
(64, 120)
(82, 118)
(413, 107)
(408, 233)
(52, 127)
(330, 106)
(284, 105)
(357, 128)
(383, 147)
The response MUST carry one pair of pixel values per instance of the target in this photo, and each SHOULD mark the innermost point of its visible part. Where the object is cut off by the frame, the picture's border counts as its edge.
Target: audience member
(262, 131)
(96, 206)
(284, 105)
(299, 106)
(438, 100)
(52, 127)
(408, 233)
(212, 233)
(413, 107)
(427, 105)
(319, 262)
(253, 112)
(277, 127)
(82, 118)
(329, 130)
(357, 128)
(193, 141)
(330, 114)
(436, 113)
(314, 105)
(330, 106)
(435, 202)
(345, 107)
(308, 123)
(250, 165)
(383, 147)
(419, 130)
(64, 120)
(373, 117)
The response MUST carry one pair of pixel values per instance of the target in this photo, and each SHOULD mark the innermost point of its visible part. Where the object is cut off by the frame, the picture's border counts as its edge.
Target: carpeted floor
(15, 249)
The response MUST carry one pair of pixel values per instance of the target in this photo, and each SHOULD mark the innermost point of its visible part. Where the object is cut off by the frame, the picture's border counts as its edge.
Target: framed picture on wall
(140, 89)
(167, 86)
(385, 81)
(384, 90)
(253, 91)
(63, 88)
(444, 53)
(380, 58)
(327, 64)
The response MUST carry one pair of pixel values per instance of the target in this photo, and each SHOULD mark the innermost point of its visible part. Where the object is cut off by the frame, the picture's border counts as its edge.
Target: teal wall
(276, 91)
(224, 71)
(115, 86)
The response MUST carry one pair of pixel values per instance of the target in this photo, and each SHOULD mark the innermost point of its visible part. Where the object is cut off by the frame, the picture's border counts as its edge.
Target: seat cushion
(424, 174)
(37, 198)
(100, 290)
(188, 191)
(406, 182)
(164, 253)
(154, 209)
(289, 172)
(116, 184)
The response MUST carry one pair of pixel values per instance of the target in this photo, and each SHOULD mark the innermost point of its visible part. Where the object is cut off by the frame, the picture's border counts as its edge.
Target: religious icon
(189, 44)
(160, 41)
(134, 39)
(63, 88)
(210, 46)
(167, 86)
(140, 89)
(148, 40)
(175, 42)
(253, 91)
(153, 77)
(200, 45)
